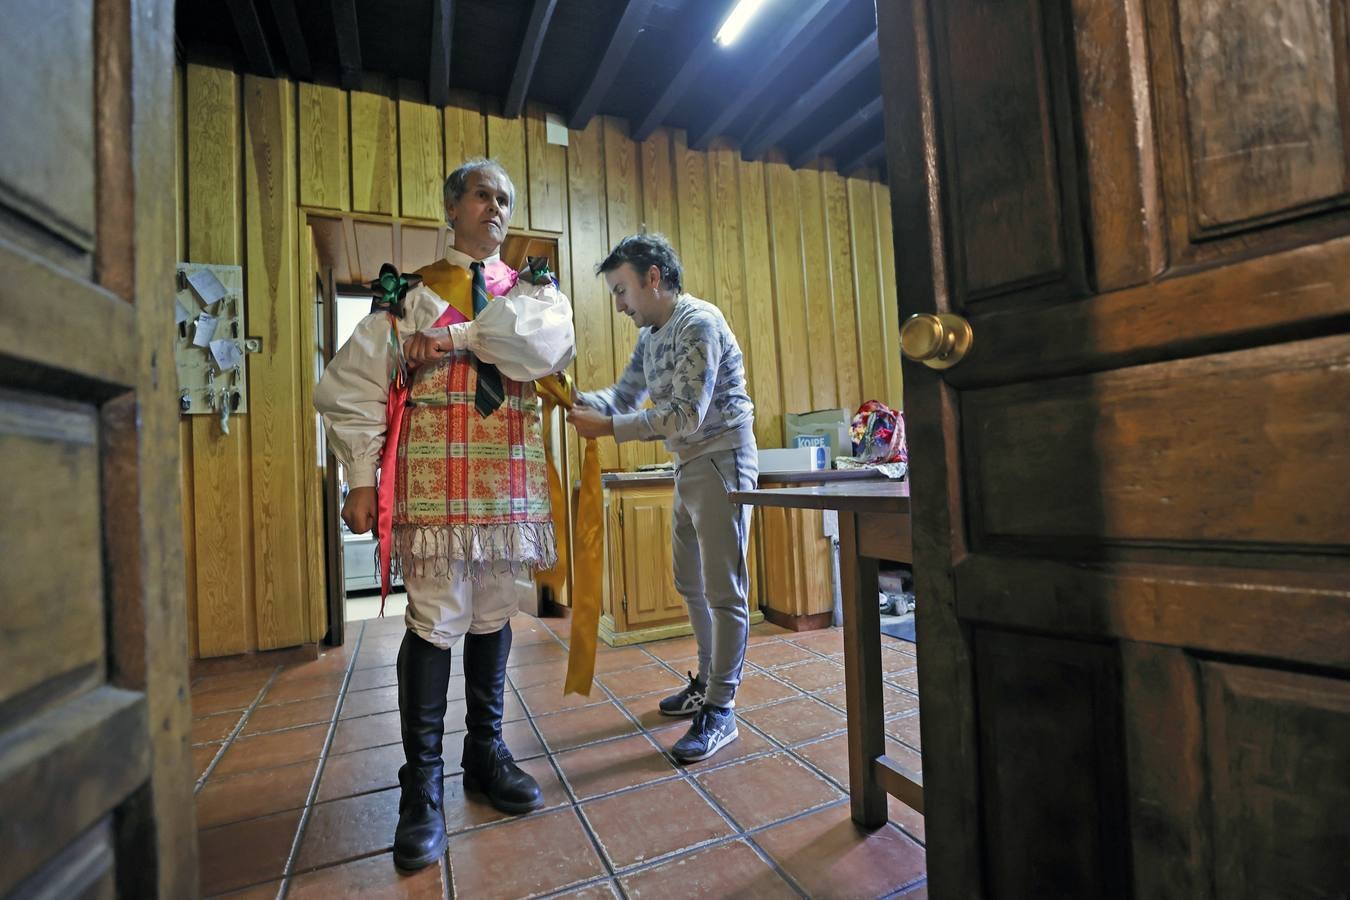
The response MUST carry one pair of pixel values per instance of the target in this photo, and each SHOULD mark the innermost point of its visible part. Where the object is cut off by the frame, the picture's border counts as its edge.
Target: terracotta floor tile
(290, 715)
(605, 890)
(267, 751)
(377, 677)
(895, 661)
(907, 679)
(245, 853)
(746, 744)
(243, 678)
(370, 731)
(464, 810)
(896, 702)
(532, 654)
(919, 892)
(304, 689)
(906, 818)
(759, 791)
(248, 796)
(335, 659)
(560, 854)
(831, 756)
(347, 829)
(906, 730)
(553, 673)
(268, 891)
(767, 631)
(621, 659)
(529, 630)
(647, 710)
(826, 640)
(219, 700)
(726, 871)
(561, 627)
(673, 648)
(361, 772)
(756, 689)
(613, 765)
(652, 821)
(201, 758)
(543, 699)
(520, 739)
(813, 676)
(774, 652)
(644, 680)
(367, 703)
(576, 727)
(797, 720)
(829, 856)
(373, 878)
(209, 729)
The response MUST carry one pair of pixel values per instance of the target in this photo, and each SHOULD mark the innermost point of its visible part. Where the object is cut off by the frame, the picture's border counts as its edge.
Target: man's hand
(590, 423)
(431, 345)
(359, 509)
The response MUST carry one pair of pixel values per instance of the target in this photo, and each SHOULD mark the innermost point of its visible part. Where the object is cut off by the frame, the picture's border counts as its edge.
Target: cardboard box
(794, 459)
(807, 429)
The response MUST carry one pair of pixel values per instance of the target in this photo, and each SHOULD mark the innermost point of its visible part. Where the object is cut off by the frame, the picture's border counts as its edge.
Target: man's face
(635, 295)
(480, 216)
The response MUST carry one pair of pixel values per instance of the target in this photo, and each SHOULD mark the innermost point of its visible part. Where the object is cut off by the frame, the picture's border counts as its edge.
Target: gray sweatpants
(710, 534)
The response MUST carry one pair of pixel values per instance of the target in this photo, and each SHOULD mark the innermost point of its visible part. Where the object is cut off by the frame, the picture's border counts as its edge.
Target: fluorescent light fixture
(740, 17)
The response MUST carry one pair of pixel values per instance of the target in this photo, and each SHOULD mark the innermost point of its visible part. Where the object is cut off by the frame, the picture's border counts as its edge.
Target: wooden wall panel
(754, 309)
(278, 529)
(659, 208)
(695, 241)
(819, 304)
(420, 159)
(311, 471)
(221, 493)
(789, 285)
(862, 222)
(843, 290)
(589, 231)
(890, 304)
(623, 211)
(325, 153)
(506, 144)
(374, 153)
(465, 129)
(547, 164)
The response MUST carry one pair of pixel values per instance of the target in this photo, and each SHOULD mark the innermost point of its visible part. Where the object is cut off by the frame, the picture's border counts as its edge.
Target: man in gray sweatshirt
(688, 362)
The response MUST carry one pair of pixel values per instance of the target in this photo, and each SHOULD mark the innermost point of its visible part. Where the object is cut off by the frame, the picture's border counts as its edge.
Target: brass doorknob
(939, 341)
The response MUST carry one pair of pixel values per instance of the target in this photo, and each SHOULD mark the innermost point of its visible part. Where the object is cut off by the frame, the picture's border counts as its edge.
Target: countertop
(823, 476)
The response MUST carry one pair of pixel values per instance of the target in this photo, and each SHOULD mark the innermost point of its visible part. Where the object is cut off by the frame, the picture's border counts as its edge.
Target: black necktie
(489, 395)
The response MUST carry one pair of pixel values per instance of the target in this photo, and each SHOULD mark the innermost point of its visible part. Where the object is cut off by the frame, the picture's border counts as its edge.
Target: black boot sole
(472, 785)
(421, 862)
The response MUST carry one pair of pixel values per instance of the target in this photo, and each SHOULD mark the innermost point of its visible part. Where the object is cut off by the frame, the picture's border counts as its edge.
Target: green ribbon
(536, 271)
(391, 289)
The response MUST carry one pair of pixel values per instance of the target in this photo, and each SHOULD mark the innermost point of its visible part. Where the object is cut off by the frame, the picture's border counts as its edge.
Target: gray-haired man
(690, 364)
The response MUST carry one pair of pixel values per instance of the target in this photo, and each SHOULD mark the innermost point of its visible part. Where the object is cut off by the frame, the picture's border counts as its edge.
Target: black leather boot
(488, 765)
(423, 679)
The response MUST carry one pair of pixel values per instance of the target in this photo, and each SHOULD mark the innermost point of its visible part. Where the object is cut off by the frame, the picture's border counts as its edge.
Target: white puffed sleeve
(527, 334)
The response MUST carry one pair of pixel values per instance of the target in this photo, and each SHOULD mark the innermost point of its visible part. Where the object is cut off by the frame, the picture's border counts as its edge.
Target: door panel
(1131, 510)
(95, 768)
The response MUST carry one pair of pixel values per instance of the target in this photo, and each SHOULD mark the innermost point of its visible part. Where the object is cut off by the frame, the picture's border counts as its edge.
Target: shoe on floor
(713, 728)
(686, 702)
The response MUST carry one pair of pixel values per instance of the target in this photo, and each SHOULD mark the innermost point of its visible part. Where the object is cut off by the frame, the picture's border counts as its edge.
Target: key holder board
(210, 350)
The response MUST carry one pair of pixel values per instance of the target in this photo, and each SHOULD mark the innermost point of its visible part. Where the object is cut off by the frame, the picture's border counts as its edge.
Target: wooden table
(873, 525)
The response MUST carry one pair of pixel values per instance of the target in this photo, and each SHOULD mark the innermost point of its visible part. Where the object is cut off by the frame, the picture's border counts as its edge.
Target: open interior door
(1131, 511)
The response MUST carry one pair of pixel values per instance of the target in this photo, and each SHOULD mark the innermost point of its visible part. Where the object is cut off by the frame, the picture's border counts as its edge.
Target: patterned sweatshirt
(694, 372)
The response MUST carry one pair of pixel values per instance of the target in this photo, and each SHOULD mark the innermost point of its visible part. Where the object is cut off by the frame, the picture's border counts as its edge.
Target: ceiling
(802, 78)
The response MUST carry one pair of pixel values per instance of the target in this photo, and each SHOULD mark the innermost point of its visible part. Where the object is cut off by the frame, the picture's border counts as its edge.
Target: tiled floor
(297, 779)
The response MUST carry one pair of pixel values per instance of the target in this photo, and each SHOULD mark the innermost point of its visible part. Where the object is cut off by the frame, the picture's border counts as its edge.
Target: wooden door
(1131, 512)
(95, 770)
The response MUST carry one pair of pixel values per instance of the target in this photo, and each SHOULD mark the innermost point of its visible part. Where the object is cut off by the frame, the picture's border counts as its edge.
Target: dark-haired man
(690, 364)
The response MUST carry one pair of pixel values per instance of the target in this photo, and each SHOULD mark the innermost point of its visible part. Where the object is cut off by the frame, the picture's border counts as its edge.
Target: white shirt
(527, 334)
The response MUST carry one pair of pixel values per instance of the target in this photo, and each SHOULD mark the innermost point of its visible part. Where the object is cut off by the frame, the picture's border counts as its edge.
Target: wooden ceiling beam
(348, 43)
(438, 73)
(675, 88)
(839, 134)
(800, 34)
(530, 48)
(249, 28)
(775, 127)
(865, 158)
(631, 20)
(293, 39)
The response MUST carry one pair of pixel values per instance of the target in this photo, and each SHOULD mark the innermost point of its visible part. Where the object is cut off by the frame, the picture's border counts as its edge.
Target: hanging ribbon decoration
(588, 543)
(388, 292)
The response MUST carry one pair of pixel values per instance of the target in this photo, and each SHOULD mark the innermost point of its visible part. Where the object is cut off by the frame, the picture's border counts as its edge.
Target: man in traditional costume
(435, 391)
(688, 362)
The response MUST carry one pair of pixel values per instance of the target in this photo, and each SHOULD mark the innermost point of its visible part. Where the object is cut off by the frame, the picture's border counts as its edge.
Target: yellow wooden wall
(799, 260)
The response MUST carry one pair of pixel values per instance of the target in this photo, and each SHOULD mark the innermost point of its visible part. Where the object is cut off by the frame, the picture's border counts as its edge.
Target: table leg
(862, 674)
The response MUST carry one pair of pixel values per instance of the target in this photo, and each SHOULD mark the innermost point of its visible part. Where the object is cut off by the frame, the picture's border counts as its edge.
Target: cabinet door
(649, 578)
